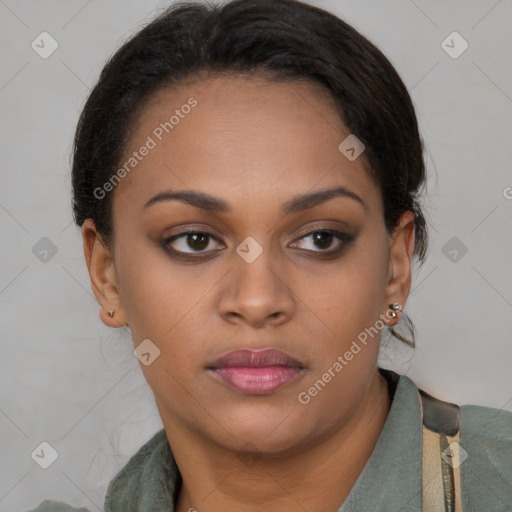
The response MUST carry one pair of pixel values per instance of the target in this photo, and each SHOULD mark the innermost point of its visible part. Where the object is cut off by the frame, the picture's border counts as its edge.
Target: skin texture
(256, 145)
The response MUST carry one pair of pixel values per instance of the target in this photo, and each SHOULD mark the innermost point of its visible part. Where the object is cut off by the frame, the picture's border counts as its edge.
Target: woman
(247, 179)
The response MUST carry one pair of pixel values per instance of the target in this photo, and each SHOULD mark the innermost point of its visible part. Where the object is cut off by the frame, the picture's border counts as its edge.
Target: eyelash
(342, 237)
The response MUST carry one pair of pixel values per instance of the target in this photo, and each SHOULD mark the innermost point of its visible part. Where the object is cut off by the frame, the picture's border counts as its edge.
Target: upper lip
(248, 358)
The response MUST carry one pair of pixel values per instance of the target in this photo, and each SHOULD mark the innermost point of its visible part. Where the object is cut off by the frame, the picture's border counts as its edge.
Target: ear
(100, 265)
(401, 250)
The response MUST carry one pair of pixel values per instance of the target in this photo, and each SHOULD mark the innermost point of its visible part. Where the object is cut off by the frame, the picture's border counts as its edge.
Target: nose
(257, 293)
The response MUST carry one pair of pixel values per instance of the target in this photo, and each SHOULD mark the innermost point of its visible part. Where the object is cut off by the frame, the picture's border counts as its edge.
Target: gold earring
(111, 314)
(395, 307)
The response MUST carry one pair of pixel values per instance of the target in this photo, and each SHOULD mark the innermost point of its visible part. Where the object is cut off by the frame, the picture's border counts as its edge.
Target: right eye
(189, 242)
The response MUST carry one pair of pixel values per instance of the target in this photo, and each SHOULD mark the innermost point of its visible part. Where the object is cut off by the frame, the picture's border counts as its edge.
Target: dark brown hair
(281, 40)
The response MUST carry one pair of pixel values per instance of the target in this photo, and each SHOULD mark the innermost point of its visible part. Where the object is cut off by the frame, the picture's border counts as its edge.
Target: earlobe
(100, 266)
(110, 319)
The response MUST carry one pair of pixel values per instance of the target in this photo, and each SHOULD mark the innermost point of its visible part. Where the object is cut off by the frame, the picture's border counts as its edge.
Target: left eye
(323, 239)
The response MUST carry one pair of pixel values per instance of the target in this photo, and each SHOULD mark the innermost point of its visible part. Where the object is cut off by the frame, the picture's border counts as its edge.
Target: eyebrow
(214, 204)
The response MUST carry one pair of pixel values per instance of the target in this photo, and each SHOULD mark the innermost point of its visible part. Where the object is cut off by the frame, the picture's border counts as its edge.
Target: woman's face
(290, 252)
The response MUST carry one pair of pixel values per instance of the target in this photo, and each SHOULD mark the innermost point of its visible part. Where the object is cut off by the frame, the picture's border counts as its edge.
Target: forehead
(234, 135)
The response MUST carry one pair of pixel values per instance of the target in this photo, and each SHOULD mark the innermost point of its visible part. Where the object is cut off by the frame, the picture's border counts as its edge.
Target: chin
(270, 430)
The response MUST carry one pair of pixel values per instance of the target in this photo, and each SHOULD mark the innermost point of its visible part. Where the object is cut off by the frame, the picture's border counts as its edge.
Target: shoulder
(136, 470)
(139, 484)
(486, 423)
(486, 437)
(56, 506)
(486, 432)
(147, 481)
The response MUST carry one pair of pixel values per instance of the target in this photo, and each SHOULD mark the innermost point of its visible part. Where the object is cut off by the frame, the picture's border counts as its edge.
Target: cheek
(172, 305)
(347, 295)
(349, 306)
(156, 293)
(165, 304)
(358, 297)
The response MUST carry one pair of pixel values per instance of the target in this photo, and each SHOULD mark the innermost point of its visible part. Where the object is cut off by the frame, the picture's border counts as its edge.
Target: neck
(316, 479)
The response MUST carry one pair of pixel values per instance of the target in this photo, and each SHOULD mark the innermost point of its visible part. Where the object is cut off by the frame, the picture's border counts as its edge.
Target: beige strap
(441, 491)
(432, 499)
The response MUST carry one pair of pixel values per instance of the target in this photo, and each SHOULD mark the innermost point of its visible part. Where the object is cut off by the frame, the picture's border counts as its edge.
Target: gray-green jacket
(390, 482)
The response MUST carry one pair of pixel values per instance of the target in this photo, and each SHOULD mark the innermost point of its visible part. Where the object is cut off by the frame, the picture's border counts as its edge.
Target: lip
(256, 372)
(255, 359)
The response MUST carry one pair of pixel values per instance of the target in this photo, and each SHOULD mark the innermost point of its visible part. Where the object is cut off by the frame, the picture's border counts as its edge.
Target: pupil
(199, 241)
(321, 237)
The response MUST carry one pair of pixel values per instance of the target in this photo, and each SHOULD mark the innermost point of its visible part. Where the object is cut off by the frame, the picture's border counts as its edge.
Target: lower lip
(256, 381)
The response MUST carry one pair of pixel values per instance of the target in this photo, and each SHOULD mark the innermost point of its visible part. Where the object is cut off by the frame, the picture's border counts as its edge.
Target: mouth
(255, 372)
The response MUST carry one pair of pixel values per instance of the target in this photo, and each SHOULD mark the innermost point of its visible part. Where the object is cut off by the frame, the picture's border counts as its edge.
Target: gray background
(67, 379)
